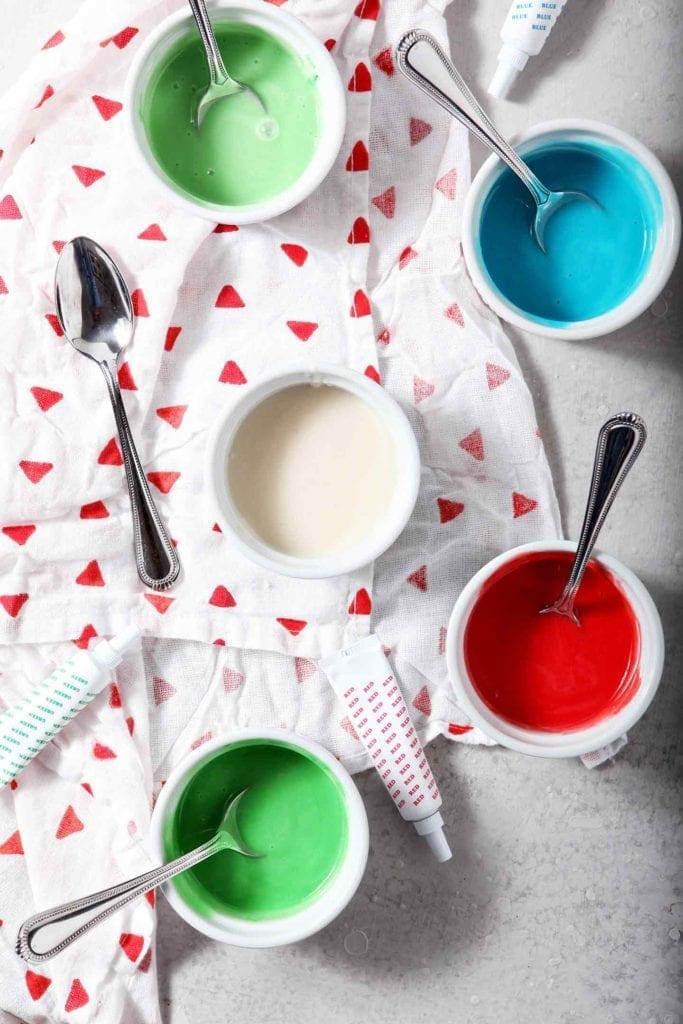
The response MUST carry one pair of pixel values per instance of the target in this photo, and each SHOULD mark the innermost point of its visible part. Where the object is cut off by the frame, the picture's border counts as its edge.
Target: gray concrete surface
(563, 903)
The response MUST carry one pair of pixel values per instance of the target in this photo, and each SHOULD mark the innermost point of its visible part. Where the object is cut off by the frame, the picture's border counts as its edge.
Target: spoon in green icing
(222, 84)
(226, 837)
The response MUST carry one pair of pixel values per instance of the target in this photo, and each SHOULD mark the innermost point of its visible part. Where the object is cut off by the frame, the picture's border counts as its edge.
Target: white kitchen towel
(367, 272)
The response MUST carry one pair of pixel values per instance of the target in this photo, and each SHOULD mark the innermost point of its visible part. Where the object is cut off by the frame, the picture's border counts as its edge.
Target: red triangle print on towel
(386, 202)
(453, 313)
(229, 298)
(58, 246)
(361, 80)
(520, 505)
(447, 183)
(419, 578)
(330, 45)
(115, 697)
(122, 38)
(496, 375)
(384, 337)
(422, 389)
(102, 752)
(153, 234)
(37, 984)
(359, 233)
(474, 445)
(172, 414)
(372, 373)
(222, 229)
(361, 604)
(232, 680)
(91, 576)
(55, 324)
(69, 824)
(130, 725)
(406, 256)
(171, 336)
(163, 481)
(77, 997)
(49, 91)
(222, 598)
(359, 160)
(35, 471)
(422, 701)
(418, 130)
(19, 534)
(131, 945)
(12, 844)
(297, 254)
(146, 961)
(458, 730)
(125, 375)
(94, 510)
(449, 510)
(13, 603)
(347, 726)
(159, 602)
(293, 626)
(302, 329)
(368, 9)
(107, 108)
(139, 303)
(361, 304)
(162, 690)
(231, 374)
(384, 61)
(110, 454)
(304, 668)
(87, 175)
(9, 209)
(46, 398)
(4, 290)
(54, 40)
(87, 634)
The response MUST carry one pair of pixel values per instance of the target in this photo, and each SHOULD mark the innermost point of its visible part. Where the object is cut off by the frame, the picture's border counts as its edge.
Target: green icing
(240, 155)
(294, 812)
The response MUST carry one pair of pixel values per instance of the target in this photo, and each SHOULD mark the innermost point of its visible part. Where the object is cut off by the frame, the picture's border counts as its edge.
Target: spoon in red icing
(620, 442)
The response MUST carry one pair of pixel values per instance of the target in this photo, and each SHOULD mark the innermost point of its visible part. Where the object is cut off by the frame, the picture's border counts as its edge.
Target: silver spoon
(95, 311)
(222, 84)
(620, 442)
(226, 837)
(422, 60)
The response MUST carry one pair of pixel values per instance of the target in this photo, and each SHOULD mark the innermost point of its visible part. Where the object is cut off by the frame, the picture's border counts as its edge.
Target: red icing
(542, 671)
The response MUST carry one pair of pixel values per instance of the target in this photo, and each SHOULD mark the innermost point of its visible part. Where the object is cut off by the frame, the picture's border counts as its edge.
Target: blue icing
(596, 255)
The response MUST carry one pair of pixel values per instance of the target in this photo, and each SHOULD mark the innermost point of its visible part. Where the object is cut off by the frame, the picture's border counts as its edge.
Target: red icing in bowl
(542, 671)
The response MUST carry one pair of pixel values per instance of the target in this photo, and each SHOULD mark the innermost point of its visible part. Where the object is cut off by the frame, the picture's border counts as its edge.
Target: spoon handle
(156, 559)
(111, 900)
(217, 69)
(422, 60)
(620, 442)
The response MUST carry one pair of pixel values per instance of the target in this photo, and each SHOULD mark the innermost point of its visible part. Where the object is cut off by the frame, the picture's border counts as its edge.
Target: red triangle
(216, 528)
(368, 9)
(58, 246)
(48, 92)
(87, 787)
(496, 375)
(9, 209)
(131, 945)
(159, 602)
(162, 690)
(55, 324)
(110, 454)
(458, 730)
(303, 329)
(447, 183)
(347, 726)
(359, 160)
(19, 534)
(171, 336)
(293, 626)
(77, 997)
(231, 374)
(125, 375)
(449, 510)
(419, 130)
(359, 233)
(35, 471)
(115, 697)
(12, 844)
(37, 984)
(4, 290)
(520, 506)
(102, 752)
(229, 298)
(386, 202)
(372, 373)
(151, 898)
(473, 443)
(163, 480)
(330, 44)
(361, 304)
(173, 414)
(87, 175)
(304, 668)
(422, 701)
(221, 229)
(54, 40)
(232, 680)
(107, 108)
(69, 824)
(384, 61)
(453, 313)
(91, 576)
(422, 389)
(13, 603)
(419, 578)
(296, 253)
(139, 303)
(122, 38)
(94, 510)
(384, 337)
(406, 256)
(222, 598)
(361, 604)
(87, 633)
(153, 234)
(361, 79)
(146, 961)
(46, 398)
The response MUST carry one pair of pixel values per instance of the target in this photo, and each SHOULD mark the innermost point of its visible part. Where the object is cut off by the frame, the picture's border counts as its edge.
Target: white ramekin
(279, 931)
(557, 744)
(295, 35)
(397, 514)
(661, 262)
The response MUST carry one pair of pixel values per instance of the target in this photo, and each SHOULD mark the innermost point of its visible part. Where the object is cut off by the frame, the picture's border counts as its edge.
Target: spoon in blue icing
(422, 60)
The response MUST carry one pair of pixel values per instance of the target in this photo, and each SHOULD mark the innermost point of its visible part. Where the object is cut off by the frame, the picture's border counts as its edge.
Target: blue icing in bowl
(596, 255)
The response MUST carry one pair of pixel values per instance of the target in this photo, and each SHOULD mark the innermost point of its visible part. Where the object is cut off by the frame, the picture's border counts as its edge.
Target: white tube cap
(431, 829)
(511, 61)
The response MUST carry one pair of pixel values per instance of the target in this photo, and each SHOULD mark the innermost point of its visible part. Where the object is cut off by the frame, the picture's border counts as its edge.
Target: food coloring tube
(526, 28)
(363, 679)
